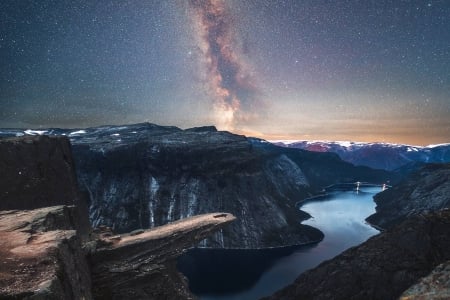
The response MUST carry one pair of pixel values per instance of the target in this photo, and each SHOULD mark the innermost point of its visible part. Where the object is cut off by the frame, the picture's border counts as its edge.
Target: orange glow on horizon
(407, 140)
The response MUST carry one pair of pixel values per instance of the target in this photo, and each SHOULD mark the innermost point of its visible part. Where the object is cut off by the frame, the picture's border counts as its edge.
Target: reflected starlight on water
(251, 274)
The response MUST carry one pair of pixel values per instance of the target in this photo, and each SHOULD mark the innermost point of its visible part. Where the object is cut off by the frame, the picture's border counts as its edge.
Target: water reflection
(251, 274)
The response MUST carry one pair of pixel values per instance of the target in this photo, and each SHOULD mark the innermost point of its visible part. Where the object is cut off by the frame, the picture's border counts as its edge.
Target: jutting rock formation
(51, 252)
(42, 257)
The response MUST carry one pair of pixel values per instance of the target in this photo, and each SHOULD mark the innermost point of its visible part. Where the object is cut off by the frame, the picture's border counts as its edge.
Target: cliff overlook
(51, 252)
(145, 175)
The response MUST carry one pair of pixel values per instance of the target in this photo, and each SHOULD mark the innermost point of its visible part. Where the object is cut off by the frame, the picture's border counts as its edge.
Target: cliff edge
(42, 257)
(426, 190)
(51, 252)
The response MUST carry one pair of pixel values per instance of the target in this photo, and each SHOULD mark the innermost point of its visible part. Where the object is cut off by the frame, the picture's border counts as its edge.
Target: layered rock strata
(426, 190)
(39, 171)
(434, 286)
(144, 175)
(143, 265)
(42, 257)
(51, 252)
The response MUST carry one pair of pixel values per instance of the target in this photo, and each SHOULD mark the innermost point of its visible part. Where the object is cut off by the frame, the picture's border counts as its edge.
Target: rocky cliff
(381, 268)
(52, 253)
(434, 286)
(416, 220)
(144, 175)
(43, 257)
(424, 191)
(142, 265)
(37, 171)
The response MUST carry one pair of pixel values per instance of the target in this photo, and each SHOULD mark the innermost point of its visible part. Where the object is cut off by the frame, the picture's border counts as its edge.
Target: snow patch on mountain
(35, 132)
(386, 156)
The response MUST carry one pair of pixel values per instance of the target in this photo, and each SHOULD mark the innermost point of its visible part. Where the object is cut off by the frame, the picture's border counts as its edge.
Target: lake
(254, 273)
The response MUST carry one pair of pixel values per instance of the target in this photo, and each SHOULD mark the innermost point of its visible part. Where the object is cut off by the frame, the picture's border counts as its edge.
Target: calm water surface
(251, 274)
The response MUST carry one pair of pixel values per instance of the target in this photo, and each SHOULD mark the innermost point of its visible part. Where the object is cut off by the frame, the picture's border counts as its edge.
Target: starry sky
(288, 69)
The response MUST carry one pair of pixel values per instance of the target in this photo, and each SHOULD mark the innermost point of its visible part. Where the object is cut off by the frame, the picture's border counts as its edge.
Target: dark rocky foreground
(381, 268)
(434, 286)
(426, 190)
(43, 257)
(39, 171)
(143, 265)
(144, 175)
(52, 253)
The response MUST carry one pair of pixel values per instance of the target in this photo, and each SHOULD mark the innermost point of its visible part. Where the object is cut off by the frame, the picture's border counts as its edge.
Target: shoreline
(380, 229)
(318, 197)
(285, 247)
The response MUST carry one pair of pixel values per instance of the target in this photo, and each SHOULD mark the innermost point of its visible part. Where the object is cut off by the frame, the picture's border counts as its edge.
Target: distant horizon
(372, 71)
(269, 138)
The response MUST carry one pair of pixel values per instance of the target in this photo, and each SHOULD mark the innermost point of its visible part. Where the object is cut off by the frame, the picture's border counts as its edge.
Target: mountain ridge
(385, 156)
(145, 175)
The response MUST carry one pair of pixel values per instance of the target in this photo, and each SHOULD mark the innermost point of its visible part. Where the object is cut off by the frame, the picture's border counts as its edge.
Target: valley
(252, 274)
(136, 177)
(145, 175)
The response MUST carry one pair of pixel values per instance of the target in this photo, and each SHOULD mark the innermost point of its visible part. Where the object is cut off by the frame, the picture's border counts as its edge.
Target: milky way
(228, 79)
(286, 69)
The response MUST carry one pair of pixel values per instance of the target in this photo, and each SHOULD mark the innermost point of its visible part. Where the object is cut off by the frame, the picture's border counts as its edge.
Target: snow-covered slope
(376, 155)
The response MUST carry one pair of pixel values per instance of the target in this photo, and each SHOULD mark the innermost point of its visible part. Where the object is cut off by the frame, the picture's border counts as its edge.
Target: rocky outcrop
(424, 191)
(41, 255)
(44, 258)
(434, 286)
(52, 253)
(381, 268)
(38, 171)
(160, 174)
(144, 175)
(143, 265)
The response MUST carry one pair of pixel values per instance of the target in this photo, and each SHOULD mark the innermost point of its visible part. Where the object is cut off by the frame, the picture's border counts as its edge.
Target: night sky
(335, 70)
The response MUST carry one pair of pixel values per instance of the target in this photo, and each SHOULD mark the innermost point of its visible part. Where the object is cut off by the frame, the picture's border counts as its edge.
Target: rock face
(381, 268)
(44, 258)
(143, 266)
(41, 255)
(144, 175)
(434, 286)
(38, 171)
(424, 191)
(378, 155)
(52, 253)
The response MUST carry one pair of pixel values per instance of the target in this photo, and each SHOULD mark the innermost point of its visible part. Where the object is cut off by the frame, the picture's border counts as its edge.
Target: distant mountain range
(376, 155)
